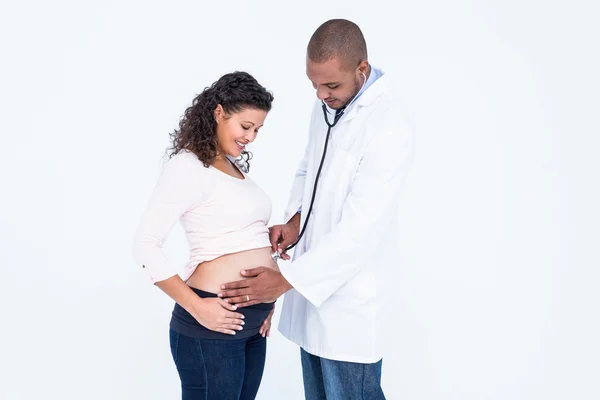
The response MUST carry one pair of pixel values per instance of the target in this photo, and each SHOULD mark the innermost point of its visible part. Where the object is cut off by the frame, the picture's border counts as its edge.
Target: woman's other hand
(265, 327)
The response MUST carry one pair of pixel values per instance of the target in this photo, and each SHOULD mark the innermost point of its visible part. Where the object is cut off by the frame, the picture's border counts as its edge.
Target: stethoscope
(338, 115)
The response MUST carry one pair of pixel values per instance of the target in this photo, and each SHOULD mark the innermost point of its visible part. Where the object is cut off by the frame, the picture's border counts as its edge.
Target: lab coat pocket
(339, 172)
(362, 286)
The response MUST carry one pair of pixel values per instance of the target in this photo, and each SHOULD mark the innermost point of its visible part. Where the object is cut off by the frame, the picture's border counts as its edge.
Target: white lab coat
(341, 268)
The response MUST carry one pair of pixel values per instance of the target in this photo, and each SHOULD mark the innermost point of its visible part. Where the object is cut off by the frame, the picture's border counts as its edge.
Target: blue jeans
(339, 380)
(212, 369)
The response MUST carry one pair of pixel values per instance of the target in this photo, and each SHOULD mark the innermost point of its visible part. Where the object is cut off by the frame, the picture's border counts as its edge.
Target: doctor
(339, 279)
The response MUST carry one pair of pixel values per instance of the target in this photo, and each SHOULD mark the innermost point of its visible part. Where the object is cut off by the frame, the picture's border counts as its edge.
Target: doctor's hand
(281, 236)
(264, 285)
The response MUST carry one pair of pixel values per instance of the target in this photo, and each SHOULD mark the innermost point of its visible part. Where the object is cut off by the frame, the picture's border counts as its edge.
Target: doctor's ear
(363, 67)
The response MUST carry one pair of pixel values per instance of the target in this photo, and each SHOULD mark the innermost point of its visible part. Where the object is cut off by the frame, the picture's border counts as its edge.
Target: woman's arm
(173, 195)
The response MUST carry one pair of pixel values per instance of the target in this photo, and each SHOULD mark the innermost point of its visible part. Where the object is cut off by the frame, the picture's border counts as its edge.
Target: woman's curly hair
(198, 128)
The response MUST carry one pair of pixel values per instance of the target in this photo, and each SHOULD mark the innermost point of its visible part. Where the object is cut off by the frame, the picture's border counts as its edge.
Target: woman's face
(236, 130)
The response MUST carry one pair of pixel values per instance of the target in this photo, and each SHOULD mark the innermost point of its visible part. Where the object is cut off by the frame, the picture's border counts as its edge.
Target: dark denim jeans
(214, 369)
(339, 380)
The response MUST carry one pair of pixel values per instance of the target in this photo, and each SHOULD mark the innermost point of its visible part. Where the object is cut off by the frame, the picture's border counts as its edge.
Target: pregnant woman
(219, 350)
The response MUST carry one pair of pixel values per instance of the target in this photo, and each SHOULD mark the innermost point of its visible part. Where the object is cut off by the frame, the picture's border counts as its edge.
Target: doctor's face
(335, 85)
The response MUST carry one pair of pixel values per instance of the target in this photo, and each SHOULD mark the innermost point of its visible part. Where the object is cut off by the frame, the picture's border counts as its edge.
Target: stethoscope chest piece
(275, 256)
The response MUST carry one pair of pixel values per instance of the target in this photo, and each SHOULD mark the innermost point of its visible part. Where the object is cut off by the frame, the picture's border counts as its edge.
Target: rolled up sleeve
(170, 199)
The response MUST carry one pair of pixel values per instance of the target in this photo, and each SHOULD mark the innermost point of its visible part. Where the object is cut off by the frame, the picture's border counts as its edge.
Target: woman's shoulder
(184, 173)
(184, 159)
(184, 167)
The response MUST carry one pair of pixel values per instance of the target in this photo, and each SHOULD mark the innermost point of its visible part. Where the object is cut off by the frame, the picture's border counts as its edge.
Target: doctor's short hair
(197, 131)
(340, 39)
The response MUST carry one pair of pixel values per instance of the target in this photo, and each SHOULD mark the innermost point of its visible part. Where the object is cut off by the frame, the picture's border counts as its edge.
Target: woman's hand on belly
(215, 314)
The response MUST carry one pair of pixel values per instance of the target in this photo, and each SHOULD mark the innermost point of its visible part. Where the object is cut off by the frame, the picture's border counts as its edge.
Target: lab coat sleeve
(297, 193)
(340, 254)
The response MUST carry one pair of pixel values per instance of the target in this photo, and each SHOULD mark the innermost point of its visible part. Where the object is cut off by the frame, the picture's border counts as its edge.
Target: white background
(497, 286)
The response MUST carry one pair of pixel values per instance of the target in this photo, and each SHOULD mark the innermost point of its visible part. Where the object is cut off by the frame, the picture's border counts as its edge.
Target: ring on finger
(247, 298)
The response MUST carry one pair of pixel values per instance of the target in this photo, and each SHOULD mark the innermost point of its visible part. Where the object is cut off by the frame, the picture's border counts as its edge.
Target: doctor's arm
(340, 254)
(283, 235)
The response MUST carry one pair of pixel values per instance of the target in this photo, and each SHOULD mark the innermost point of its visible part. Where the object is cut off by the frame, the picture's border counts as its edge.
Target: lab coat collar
(367, 98)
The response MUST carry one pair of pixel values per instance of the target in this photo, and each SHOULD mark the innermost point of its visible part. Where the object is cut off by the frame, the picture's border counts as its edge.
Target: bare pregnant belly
(210, 275)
